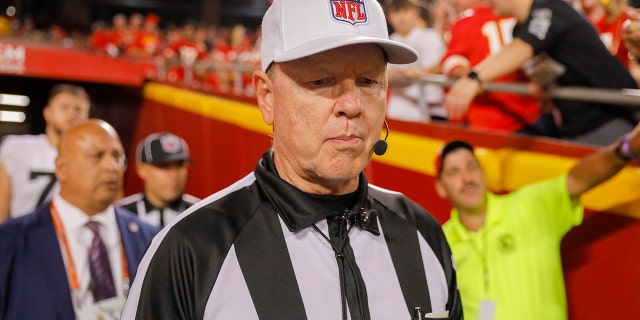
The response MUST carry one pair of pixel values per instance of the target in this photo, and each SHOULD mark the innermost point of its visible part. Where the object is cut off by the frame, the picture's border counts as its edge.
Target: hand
(544, 70)
(459, 97)
(537, 91)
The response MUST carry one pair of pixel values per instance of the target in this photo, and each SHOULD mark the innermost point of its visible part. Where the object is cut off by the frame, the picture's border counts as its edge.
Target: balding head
(90, 166)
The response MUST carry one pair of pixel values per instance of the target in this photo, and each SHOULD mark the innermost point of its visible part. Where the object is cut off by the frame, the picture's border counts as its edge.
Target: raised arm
(509, 59)
(603, 164)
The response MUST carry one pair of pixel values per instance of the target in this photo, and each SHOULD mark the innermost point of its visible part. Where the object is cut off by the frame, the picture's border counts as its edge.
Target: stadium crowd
(220, 59)
(306, 183)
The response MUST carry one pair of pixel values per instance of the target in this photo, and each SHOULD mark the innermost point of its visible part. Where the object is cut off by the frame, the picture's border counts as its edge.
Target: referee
(162, 161)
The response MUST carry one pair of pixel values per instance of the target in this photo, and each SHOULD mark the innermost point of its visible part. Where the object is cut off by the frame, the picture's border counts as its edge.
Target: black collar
(177, 205)
(299, 209)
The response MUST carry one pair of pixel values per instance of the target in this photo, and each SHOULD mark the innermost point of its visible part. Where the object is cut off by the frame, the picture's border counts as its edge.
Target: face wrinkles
(328, 113)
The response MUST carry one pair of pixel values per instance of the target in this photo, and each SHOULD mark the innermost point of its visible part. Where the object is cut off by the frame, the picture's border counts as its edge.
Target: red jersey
(99, 39)
(477, 34)
(197, 50)
(611, 35)
(144, 44)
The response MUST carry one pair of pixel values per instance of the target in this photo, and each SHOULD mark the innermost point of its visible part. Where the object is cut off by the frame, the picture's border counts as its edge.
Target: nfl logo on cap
(350, 11)
(170, 143)
(162, 148)
(294, 29)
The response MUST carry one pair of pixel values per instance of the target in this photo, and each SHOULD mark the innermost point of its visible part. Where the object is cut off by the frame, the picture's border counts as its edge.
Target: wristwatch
(623, 151)
(621, 154)
(474, 76)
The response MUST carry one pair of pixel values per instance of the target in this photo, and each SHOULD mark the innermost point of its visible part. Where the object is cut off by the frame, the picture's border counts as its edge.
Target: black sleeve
(167, 291)
(185, 265)
(548, 20)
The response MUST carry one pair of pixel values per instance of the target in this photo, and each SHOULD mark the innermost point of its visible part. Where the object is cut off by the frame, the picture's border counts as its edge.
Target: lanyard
(71, 268)
(482, 254)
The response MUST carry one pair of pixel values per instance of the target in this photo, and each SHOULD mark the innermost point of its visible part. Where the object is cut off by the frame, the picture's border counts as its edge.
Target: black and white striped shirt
(256, 250)
(147, 212)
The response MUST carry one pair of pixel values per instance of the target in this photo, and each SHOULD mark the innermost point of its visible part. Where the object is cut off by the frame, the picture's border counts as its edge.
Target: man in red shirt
(478, 33)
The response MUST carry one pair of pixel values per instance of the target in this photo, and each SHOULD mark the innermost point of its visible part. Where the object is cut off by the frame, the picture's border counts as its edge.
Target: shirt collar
(74, 219)
(492, 219)
(177, 205)
(299, 209)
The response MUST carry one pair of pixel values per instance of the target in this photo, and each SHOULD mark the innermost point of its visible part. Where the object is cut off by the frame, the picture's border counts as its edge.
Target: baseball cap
(162, 148)
(293, 29)
(448, 148)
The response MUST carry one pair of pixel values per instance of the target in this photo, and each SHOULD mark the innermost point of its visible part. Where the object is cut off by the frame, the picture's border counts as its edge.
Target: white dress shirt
(79, 238)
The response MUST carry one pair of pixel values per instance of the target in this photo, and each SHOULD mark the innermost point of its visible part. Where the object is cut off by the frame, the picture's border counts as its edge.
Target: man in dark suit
(75, 257)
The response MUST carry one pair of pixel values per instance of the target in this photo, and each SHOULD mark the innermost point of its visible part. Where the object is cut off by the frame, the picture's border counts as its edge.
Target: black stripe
(184, 268)
(267, 269)
(402, 241)
(431, 230)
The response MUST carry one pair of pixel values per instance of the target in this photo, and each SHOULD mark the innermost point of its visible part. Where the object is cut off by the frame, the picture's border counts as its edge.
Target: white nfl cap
(293, 29)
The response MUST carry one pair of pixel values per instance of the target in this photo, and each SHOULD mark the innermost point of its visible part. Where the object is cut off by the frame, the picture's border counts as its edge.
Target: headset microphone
(380, 147)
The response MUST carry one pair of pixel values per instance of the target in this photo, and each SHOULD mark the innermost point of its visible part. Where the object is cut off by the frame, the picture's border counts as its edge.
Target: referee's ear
(263, 87)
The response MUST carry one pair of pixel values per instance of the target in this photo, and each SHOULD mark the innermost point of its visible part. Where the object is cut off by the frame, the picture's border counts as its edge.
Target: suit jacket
(33, 279)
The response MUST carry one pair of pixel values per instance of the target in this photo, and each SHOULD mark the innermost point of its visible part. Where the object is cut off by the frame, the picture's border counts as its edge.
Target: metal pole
(628, 97)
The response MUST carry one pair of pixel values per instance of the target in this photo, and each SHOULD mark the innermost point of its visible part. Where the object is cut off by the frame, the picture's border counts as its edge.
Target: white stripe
(130, 199)
(453, 62)
(189, 198)
(316, 270)
(372, 186)
(386, 300)
(131, 306)
(436, 279)
(230, 297)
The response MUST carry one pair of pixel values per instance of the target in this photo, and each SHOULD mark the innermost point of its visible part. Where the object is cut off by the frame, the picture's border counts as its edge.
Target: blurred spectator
(556, 46)
(59, 35)
(217, 58)
(631, 39)
(186, 48)
(99, 35)
(608, 16)
(116, 35)
(409, 20)
(236, 53)
(444, 16)
(146, 42)
(162, 161)
(5, 26)
(27, 178)
(477, 34)
(183, 52)
(75, 257)
(507, 247)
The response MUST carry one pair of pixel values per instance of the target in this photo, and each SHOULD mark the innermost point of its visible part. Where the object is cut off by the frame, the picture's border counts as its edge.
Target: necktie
(102, 284)
(352, 285)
